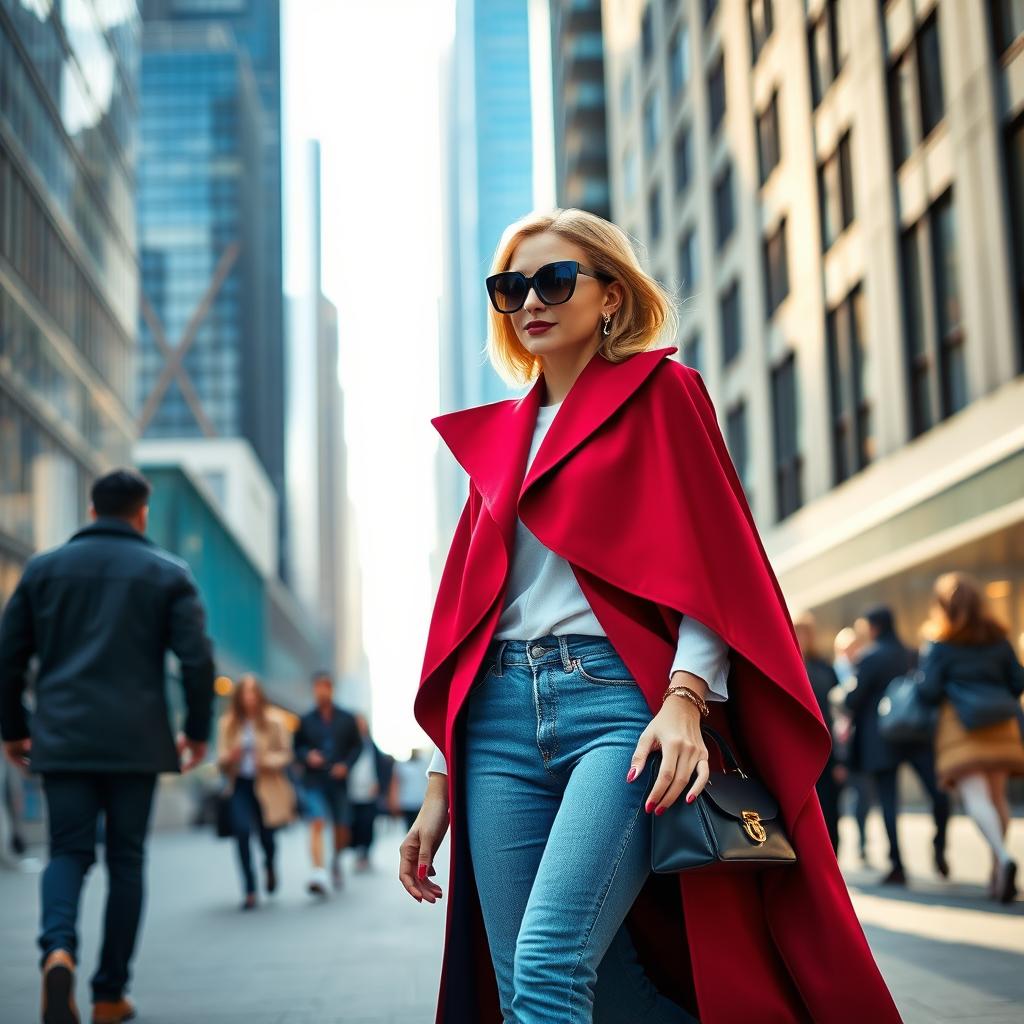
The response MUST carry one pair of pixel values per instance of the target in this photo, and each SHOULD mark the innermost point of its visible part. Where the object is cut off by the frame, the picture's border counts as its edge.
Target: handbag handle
(725, 750)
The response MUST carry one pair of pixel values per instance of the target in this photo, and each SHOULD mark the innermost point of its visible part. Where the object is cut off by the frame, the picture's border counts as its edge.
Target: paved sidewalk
(370, 955)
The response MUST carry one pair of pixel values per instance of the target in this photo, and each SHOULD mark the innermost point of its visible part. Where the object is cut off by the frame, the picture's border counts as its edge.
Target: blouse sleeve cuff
(702, 651)
(437, 763)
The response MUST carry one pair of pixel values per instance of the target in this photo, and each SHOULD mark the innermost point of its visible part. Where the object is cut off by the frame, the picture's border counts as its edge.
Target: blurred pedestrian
(365, 782)
(409, 786)
(847, 646)
(972, 672)
(881, 661)
(100, 614)
(12, 842)
(327, 743)
(823, 681)
(254, 749)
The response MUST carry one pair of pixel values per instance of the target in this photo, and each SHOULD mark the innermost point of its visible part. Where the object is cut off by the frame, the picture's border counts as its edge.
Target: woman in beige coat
(971, 671)
(253, 750)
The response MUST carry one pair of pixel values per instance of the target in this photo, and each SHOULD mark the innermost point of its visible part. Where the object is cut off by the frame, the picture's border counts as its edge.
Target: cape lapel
(492, 442)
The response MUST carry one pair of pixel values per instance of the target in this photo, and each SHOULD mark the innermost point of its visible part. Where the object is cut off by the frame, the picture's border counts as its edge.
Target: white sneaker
(318, 883)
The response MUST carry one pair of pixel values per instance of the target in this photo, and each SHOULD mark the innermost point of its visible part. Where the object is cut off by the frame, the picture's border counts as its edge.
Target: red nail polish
(660, 811)
(647, 807)
(422, 871)
(691, 798)
(632, 775)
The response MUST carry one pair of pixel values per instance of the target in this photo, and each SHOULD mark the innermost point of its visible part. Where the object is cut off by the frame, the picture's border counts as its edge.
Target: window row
(33, 247)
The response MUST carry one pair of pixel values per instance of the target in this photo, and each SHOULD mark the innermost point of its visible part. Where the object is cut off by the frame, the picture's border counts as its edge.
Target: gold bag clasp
(753, 827)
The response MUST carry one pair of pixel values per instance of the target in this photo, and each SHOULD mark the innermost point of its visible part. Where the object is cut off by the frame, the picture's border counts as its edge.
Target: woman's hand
(675, 731)
(420, 845)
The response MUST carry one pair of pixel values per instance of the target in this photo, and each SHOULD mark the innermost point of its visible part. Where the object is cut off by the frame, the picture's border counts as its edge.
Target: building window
(932, 312)
(652, 122)
(853, 443)
(725, 210)
(1015, 187)
(786, 416)
(729, 311)
(683, 159)
(768, 149)
(739, 448)
(828, 48)
(679, 60)
(716, 94)
(629, 173)
(916, 103)
(835, 193)
(689, 262)
(776, 272)
(693, 353)
(760, 15)
(654, 212)
(647, 33)
(1007, 17)
(626, 93)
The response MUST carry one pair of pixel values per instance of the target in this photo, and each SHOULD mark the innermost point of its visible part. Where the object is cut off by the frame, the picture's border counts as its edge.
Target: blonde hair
(647, 311)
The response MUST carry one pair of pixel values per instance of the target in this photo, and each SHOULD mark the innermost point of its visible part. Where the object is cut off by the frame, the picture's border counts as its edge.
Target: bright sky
(362, 77)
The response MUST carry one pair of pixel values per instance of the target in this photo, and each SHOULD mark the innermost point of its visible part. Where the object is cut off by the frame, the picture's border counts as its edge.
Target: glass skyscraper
(209, 204)
(68, 270)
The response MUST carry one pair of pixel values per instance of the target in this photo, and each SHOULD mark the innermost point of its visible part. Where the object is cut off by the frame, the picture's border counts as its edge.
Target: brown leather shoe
(112, 1013)
(58, 1000)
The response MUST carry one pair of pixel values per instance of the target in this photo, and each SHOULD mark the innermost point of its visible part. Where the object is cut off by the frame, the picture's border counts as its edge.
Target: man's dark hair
(120, 493)
(322, 675)
(880, 617)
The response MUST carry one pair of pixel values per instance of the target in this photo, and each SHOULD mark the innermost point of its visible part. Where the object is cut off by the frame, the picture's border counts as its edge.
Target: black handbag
(734, 820)
(903, 717)
(225, 820)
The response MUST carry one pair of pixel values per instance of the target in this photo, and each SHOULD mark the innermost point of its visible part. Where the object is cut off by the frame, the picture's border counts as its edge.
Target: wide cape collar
(492, 442)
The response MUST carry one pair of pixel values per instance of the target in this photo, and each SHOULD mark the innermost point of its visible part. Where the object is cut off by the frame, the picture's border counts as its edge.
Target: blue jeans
(559, 840)
(75, 803)
(247, 817)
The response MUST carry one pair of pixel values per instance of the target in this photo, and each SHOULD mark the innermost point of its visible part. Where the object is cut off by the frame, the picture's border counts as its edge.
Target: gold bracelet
(690, 695)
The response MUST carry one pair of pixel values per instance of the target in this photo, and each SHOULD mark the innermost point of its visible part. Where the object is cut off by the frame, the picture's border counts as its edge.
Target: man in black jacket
(880, 663)
(100, 613)
(328, 743)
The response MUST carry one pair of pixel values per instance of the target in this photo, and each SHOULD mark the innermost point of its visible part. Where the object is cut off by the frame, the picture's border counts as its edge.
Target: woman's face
(250, 698)
(572, 325)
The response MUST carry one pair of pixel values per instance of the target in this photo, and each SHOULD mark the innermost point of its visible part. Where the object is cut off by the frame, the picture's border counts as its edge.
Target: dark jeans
(246, 815)
(922, 760)
(363, 817)
(828, 795)
(75, 802)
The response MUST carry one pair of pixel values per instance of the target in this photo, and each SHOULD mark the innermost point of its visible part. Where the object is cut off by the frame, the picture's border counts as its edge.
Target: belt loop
(499, 667)
(563, 649)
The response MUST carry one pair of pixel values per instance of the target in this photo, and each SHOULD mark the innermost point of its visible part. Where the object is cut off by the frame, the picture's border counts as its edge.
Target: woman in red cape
(633, 486)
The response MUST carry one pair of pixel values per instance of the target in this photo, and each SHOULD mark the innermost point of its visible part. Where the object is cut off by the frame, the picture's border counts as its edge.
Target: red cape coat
(634, 487)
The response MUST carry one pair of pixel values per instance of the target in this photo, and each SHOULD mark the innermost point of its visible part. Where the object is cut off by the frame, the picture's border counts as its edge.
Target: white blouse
(543, 598)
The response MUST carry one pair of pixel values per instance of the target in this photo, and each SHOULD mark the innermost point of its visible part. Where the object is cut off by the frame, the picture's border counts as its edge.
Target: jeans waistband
(544, 650)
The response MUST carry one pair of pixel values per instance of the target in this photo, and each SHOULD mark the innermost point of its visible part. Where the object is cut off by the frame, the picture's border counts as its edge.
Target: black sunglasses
(554, 284)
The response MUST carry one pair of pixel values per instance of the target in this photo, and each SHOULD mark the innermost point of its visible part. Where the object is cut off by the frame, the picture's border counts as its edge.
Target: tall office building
(581, 146)
(835, 190)
(491, 177)
(68, 271)
(210, 224)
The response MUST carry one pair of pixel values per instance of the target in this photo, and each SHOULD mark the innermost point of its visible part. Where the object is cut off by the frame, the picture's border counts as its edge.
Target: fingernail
(632, 775)
(647, 807)
(660, 811)
(691, 798)
(422, 871)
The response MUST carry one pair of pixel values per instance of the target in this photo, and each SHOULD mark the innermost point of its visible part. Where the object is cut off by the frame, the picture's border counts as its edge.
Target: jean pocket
(604, 669)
